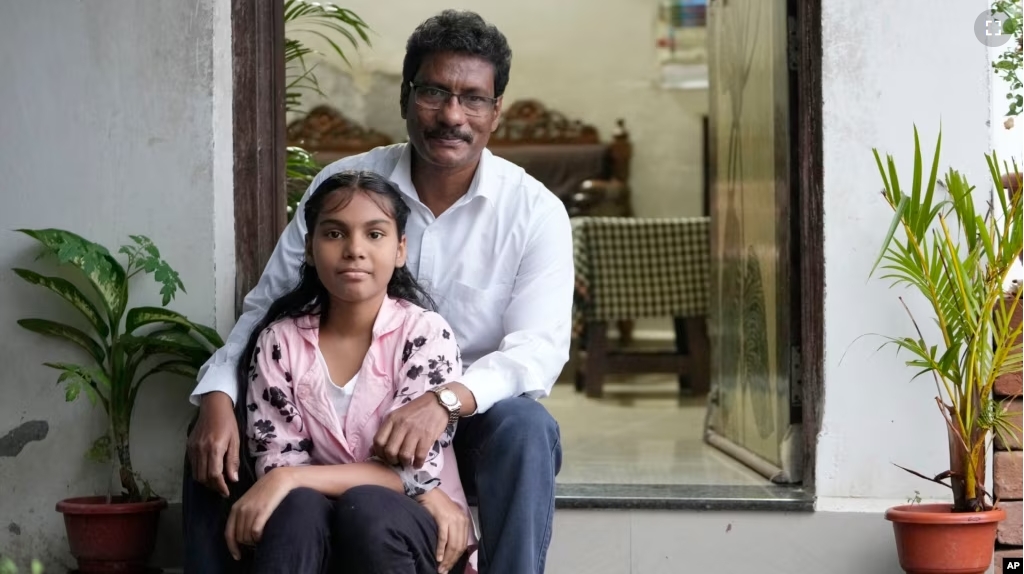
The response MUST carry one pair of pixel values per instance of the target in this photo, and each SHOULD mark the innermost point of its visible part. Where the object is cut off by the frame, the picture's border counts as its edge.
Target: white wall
(884, 70)
(107, 128)
(594, 63)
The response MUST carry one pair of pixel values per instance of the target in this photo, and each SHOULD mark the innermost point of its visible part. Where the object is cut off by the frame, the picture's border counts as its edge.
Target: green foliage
(7, 566)
(958, 259)
(152, 339)
(331, 23)
(1009, 64)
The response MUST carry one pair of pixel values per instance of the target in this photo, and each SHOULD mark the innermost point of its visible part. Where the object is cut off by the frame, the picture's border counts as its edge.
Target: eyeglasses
(432, 98)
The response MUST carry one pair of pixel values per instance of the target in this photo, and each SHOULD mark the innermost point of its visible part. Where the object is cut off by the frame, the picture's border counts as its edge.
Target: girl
(330, 360)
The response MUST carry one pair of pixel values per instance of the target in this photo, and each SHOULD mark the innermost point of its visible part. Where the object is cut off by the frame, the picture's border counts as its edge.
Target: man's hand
(406, 435)
(213, 443)
(250, 514)
(452, 527)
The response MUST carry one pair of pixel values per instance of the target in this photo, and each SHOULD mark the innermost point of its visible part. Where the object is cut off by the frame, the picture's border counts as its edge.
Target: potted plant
(116, 533)
(958, 259)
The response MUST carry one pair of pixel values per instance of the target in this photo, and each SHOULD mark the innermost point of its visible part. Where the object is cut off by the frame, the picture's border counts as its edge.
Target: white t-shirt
(341, 397)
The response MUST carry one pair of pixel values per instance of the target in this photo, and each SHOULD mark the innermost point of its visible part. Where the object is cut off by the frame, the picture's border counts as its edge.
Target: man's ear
(402, 255)
(497, 113)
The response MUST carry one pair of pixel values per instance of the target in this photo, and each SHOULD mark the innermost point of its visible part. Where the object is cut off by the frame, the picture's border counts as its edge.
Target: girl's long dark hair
(310, 297)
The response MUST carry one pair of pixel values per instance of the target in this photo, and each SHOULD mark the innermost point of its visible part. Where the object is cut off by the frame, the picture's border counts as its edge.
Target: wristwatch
(450, 401)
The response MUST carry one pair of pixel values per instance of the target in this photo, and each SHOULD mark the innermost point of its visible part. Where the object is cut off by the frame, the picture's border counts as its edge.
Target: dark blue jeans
(508, 458)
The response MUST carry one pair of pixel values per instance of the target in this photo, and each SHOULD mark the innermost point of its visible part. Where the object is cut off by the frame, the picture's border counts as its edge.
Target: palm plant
(328, 22)
(121, 358)
(959, 259)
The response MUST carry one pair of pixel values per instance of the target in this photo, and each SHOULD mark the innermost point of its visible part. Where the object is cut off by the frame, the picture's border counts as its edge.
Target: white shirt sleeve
(280, 276)
(537, 321)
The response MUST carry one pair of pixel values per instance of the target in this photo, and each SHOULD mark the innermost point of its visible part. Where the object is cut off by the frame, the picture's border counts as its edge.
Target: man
(494, 248)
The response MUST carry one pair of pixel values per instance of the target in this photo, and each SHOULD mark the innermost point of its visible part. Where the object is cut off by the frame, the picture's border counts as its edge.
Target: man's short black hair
(462, 32)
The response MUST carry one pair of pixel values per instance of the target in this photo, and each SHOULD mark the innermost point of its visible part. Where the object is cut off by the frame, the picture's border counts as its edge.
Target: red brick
(997, 559)
(1010, 384)
(1009, 531)
(1007, 468)
(1014, 443)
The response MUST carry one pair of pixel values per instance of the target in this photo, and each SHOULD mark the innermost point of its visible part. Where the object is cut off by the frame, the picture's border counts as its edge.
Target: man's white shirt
(498, 263)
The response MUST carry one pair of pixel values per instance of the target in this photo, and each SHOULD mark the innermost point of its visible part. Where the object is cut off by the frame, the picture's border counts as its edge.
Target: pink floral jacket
(292, 422)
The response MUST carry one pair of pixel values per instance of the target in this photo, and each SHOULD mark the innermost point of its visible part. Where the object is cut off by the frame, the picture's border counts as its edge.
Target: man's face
(449, 137)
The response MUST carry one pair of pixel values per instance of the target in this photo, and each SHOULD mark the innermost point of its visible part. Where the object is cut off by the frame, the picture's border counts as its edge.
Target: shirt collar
(402, 175)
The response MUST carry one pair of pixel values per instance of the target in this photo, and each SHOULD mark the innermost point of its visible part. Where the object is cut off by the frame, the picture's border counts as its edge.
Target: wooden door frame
(809, 214)
(258, 119)
(257, 44)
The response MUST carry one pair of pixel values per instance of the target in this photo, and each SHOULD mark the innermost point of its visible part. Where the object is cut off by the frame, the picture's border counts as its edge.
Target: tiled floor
(639, 433)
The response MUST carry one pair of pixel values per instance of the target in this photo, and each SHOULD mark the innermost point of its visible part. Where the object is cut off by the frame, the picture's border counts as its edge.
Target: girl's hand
(250, 514)
(452, 528)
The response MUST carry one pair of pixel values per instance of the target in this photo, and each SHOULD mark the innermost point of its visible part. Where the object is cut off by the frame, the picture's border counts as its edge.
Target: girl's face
(355, 248)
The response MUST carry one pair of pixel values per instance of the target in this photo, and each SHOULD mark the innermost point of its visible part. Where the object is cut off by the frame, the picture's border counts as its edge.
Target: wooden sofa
(329, 135)
(591, 177)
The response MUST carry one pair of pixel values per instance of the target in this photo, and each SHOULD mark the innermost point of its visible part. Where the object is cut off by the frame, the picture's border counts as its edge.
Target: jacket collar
(388, 319)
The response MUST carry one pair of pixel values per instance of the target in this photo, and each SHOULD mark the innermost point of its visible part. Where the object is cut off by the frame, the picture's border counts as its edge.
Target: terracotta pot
(931, 539)
(1012, 182)
(111, 537)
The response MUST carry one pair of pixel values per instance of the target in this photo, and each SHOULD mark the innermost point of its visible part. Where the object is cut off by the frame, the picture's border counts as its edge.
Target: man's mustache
(449, 134)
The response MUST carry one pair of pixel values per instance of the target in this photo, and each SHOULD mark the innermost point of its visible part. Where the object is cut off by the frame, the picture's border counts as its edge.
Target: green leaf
(145, 256)
(185, 369)
(71, 390)
(62, 331)
(209, 334)
(87, 373)
(141, 316)
(102, 450)
(896, 219)
(71, 294)
(82, 378)
(173, 341)
(103, 271)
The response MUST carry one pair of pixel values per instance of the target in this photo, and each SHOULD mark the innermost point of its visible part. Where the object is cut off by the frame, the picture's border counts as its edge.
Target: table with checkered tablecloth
(632, 268)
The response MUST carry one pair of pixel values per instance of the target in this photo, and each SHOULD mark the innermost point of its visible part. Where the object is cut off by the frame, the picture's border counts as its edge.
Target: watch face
(448, 397)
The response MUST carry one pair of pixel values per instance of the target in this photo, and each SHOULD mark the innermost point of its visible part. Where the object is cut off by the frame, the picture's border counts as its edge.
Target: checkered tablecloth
(630, 268)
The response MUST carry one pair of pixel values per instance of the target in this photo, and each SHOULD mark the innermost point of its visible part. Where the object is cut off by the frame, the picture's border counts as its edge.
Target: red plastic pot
(111, 537)
(932, 539)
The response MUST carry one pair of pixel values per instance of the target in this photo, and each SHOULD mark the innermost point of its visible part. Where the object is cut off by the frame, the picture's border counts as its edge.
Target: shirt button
(302, 392)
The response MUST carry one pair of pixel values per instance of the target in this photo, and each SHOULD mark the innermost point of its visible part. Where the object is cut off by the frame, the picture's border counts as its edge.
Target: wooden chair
(631, 268)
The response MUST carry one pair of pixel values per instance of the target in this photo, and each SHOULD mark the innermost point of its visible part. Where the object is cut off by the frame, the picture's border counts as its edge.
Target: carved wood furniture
(329, 135)
(567, 156)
